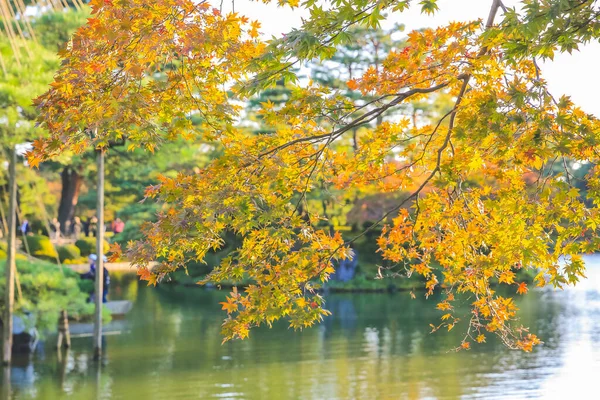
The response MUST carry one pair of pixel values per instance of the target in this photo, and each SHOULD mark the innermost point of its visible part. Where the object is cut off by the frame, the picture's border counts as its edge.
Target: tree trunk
(71, 184)
(99, 260)
(414, 118)
(10, 268)
(376, 44)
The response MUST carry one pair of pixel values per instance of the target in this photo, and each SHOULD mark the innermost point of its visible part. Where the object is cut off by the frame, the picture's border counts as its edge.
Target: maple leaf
(143, 273)
(152, 279)
(522, 289)
(116, 252)
(352, 84)
(33, 160)
(230, 305)
(507, 277)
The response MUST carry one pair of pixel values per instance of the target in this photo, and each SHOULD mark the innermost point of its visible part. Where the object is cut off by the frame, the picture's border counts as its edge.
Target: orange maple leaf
(230, 305)
(522, 289)
(352, 84)
(116, 252)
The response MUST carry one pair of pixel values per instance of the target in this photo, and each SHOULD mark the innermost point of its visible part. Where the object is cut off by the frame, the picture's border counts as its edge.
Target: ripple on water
(373, 347)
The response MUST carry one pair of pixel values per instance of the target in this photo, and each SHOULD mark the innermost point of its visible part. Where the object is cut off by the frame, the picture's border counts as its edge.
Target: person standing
(25, 227)
(77, 228)
(91, 275)
(118, 226)
(55, 228)
(93, 226)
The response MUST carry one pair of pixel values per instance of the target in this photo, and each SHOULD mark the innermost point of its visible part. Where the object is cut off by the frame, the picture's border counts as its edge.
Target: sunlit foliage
(481, 200)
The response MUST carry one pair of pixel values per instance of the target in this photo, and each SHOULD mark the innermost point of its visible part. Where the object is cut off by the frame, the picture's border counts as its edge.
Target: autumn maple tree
(484, 195)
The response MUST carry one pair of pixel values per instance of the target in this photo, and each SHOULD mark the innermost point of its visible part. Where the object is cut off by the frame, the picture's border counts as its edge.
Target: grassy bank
(44, 290)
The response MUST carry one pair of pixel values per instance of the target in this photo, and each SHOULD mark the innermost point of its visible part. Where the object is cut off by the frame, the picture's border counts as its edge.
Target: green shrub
(38, 227)
(68, 252)
(4, 248)
(87, 286)
(87, 246)
(41, 247)
(48, 289)
(75, 261)
(134, 215)
(17, 256)
(131, 232)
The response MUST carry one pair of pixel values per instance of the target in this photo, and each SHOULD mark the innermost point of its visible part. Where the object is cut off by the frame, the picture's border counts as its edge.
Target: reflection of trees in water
(48, 372)
(398, 347)
(343, 316)
(373, 346)
(123, 286)
(5, 387)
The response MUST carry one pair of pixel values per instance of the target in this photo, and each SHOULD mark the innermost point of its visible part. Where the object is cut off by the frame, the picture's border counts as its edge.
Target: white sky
(573, 75)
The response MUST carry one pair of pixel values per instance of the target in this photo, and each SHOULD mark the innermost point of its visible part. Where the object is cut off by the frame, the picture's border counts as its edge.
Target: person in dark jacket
(91, 274)
(25, 227)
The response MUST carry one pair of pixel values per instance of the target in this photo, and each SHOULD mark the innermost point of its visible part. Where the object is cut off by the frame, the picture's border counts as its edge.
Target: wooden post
(4, 223)
(10, 259)
(64, 336)
(5, 386)
(100, 259)
(63, 361)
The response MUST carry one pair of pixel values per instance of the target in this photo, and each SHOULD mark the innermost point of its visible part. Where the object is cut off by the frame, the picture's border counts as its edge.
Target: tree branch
(363, 119)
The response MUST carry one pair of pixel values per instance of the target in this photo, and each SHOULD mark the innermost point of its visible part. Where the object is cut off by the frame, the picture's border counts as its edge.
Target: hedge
(87, 246)
(68, 252)
(41, 247)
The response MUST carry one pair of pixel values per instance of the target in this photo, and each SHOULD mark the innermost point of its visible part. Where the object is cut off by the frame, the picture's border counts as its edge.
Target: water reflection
(372, 347)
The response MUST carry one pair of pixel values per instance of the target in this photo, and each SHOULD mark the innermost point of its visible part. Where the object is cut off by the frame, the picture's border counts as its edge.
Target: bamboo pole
(19, 30)
(3, 65)
(9, 32)
(23, 235)
(78, 4)
(23, 12)
(3, 216)
(10, 260)
(100, 259)
(64, 4)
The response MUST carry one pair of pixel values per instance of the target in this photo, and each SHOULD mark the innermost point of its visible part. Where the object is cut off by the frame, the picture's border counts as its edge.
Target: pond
(375, 346)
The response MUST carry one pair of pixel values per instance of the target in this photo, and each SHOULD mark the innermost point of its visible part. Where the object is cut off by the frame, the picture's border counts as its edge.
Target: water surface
(375, 346)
